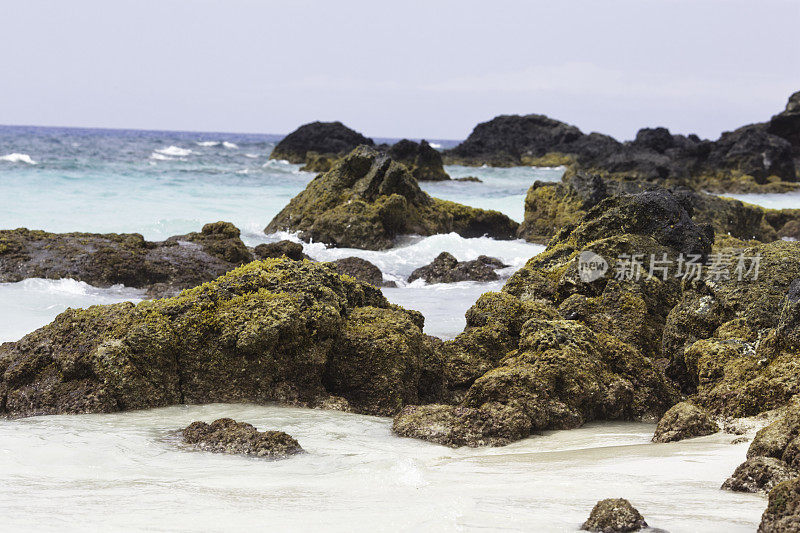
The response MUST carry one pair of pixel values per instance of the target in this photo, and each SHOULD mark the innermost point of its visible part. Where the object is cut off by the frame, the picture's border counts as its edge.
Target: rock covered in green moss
(549, 206)
(614, 515)
(163, 268)
(319, 140)
(226, 435)
(554, 350)
(783, 509)
(271, 331)
(759, 474)
(684, 421)
(422, 160)
(733, 343)
(447, 269)
(367, 200)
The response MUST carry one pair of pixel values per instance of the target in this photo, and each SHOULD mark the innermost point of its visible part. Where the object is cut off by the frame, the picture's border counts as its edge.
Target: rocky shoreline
(557, 347)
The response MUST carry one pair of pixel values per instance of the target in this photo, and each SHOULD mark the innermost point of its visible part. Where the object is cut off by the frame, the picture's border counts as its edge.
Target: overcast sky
(392, 69)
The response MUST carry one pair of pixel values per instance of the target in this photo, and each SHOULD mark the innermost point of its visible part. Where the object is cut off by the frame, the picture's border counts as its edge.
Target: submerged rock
(783, 510)
(367, 200)
(275, 250)
(271, 331)
(362, 270)
(447, 269)
(163, 268)
(423, 161)
(329, 140)
(614, 515)
(759, 474)
(229, 436)
(684, 421)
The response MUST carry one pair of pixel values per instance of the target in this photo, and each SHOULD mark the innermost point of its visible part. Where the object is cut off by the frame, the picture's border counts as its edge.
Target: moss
(550, 159)
(367, 200)
(273, 330)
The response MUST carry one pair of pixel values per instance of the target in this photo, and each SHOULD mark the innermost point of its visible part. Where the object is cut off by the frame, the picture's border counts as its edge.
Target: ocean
(126, 472)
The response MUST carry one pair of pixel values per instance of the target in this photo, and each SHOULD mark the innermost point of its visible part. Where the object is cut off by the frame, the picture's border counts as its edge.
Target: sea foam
(174, 151)
(18, 158)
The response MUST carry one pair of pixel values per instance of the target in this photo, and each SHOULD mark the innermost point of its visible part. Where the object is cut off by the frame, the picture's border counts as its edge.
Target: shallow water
(128, 471)
(789, 200)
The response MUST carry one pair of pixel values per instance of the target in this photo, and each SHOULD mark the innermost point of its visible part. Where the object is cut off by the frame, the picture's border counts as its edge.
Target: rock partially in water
(554, 350)
(271, 331)
(423, 161)
(319, 140)
(783, 510)
(226, 435)
(759, 474)
(614, 515)
(163, 268)
(684, 421)
(276, 250)
(367, 200)
(362, 270)
(447, 269)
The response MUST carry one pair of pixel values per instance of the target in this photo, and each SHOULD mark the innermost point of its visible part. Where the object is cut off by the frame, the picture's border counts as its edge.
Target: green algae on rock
(783, 509)
(552, 351)
(163, 268)
(422, 160)
(274, 330)
(367, 200)
(226, 435)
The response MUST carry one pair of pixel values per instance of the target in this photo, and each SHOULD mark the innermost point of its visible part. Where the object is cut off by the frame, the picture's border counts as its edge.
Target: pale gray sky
(412, 68)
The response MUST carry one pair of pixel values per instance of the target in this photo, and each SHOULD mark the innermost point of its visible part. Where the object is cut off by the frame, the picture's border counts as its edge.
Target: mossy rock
(614, 515)
(367, 201)
(226, 435)
(783, 509)
(684, 421)
(271, 331)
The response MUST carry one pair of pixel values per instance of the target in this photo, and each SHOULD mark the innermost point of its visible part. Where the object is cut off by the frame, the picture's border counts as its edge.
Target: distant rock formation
(756, 157)
(318, 140)
(367, 200)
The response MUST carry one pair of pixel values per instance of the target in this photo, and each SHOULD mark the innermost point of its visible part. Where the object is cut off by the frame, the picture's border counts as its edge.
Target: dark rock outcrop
(423, 161)
(362, 270)
(447, 269)
(684, 421)
(163, 268)
(759, 474)
(270, 331)
(317, 142)
(753, 158)
(275, 250)
(226, 435)
(554, 350)
(787, 123)
(367, 200)
(614, 515)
